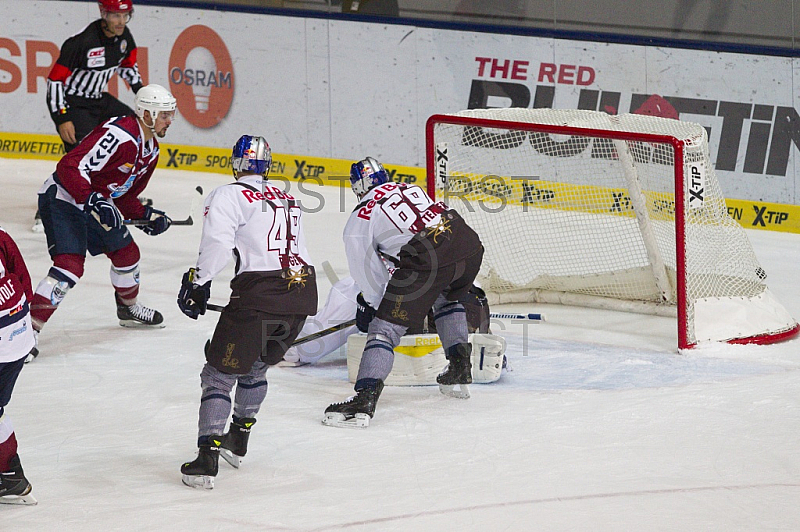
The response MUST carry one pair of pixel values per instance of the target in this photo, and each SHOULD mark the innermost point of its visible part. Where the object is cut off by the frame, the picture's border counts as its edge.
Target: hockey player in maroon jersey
(16, 340)
(76, 85)
(272, 293)
(83, 205)
(437, 257)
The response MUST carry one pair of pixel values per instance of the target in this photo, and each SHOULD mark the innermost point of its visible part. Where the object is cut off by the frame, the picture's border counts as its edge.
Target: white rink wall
(345, 89)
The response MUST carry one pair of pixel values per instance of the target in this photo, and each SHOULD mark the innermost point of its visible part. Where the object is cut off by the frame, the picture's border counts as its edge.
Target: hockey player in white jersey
(342, 305)
(272, 293)
(437, 257)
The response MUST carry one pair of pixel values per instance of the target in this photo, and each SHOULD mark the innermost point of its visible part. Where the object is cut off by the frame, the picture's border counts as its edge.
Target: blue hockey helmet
(366, 175)
(251, 155)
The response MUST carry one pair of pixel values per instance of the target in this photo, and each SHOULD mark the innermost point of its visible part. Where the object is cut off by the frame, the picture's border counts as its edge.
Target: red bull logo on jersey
(268, 194)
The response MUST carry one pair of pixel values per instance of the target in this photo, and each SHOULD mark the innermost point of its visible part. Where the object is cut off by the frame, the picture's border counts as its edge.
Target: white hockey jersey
(255, 221)
(386, 219)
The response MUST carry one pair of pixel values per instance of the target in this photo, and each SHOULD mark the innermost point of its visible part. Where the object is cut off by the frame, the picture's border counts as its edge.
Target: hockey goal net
(614, 211)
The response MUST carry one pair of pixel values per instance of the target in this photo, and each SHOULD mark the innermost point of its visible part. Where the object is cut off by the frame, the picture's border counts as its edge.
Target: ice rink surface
(602, 425)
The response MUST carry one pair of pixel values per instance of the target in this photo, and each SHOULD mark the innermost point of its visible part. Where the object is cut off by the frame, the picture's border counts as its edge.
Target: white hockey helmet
(154, 98)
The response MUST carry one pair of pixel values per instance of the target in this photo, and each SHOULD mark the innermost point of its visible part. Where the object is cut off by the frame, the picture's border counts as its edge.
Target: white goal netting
(579, 207)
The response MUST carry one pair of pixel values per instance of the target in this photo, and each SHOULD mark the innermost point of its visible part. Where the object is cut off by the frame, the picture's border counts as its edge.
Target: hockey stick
(324, 332)
(532, 316)
(304, 339)
(329, 273)
(187, 221)
(142, 223)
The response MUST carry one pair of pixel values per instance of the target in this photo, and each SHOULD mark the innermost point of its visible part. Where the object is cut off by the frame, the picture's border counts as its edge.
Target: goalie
(488, 358)
(437, 257)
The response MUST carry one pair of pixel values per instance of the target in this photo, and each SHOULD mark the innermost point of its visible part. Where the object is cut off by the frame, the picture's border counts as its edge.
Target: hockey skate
(201, 472)
(357, 410)
(234, 442)
(34, 352)
(14, 487)
(137, 315)
(37, 227)
(457, 374)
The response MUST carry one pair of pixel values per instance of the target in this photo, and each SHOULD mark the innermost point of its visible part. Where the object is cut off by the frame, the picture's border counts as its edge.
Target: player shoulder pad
(127, 126)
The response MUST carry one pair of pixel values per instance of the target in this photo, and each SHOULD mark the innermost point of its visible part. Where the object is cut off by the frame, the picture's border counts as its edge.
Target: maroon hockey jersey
(115, 161)
(16, 292)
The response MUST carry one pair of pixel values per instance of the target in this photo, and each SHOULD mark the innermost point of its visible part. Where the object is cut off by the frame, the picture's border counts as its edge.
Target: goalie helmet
(115, 6)
(366, 175)
(252, 155)
(153, 98)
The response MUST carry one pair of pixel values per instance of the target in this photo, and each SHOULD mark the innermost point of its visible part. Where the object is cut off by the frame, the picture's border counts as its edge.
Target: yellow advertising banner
(750, 214)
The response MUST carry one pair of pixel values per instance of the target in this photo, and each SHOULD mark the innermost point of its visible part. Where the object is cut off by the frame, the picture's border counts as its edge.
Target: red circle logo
(201, 76)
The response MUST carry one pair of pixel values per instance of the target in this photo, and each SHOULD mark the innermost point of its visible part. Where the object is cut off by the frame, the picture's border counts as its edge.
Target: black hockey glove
(193, 298)
(103, 211)
(157, 221)
(364, 313)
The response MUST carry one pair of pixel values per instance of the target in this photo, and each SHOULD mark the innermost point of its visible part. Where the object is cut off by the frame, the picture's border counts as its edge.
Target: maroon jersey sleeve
(106, 161)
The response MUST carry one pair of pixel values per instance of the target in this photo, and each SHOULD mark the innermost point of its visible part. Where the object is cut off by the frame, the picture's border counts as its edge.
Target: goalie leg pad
(488, 353)
(419, 358)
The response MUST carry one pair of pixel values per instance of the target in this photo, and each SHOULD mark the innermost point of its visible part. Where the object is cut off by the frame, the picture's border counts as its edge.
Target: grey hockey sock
(251, 389)
(215, 401)
(378, 357)
(451, 322)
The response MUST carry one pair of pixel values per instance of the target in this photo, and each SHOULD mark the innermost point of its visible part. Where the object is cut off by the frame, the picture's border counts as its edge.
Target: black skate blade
(337, 419)
(26, 499)
(233, 459)
(457, 391)
(133, 324)
(199, 481)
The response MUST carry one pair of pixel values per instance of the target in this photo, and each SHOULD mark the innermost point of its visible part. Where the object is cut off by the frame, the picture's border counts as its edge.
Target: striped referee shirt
(87, 62)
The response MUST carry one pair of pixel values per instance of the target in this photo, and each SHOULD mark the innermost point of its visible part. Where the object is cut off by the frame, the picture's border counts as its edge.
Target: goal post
(622, 212)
